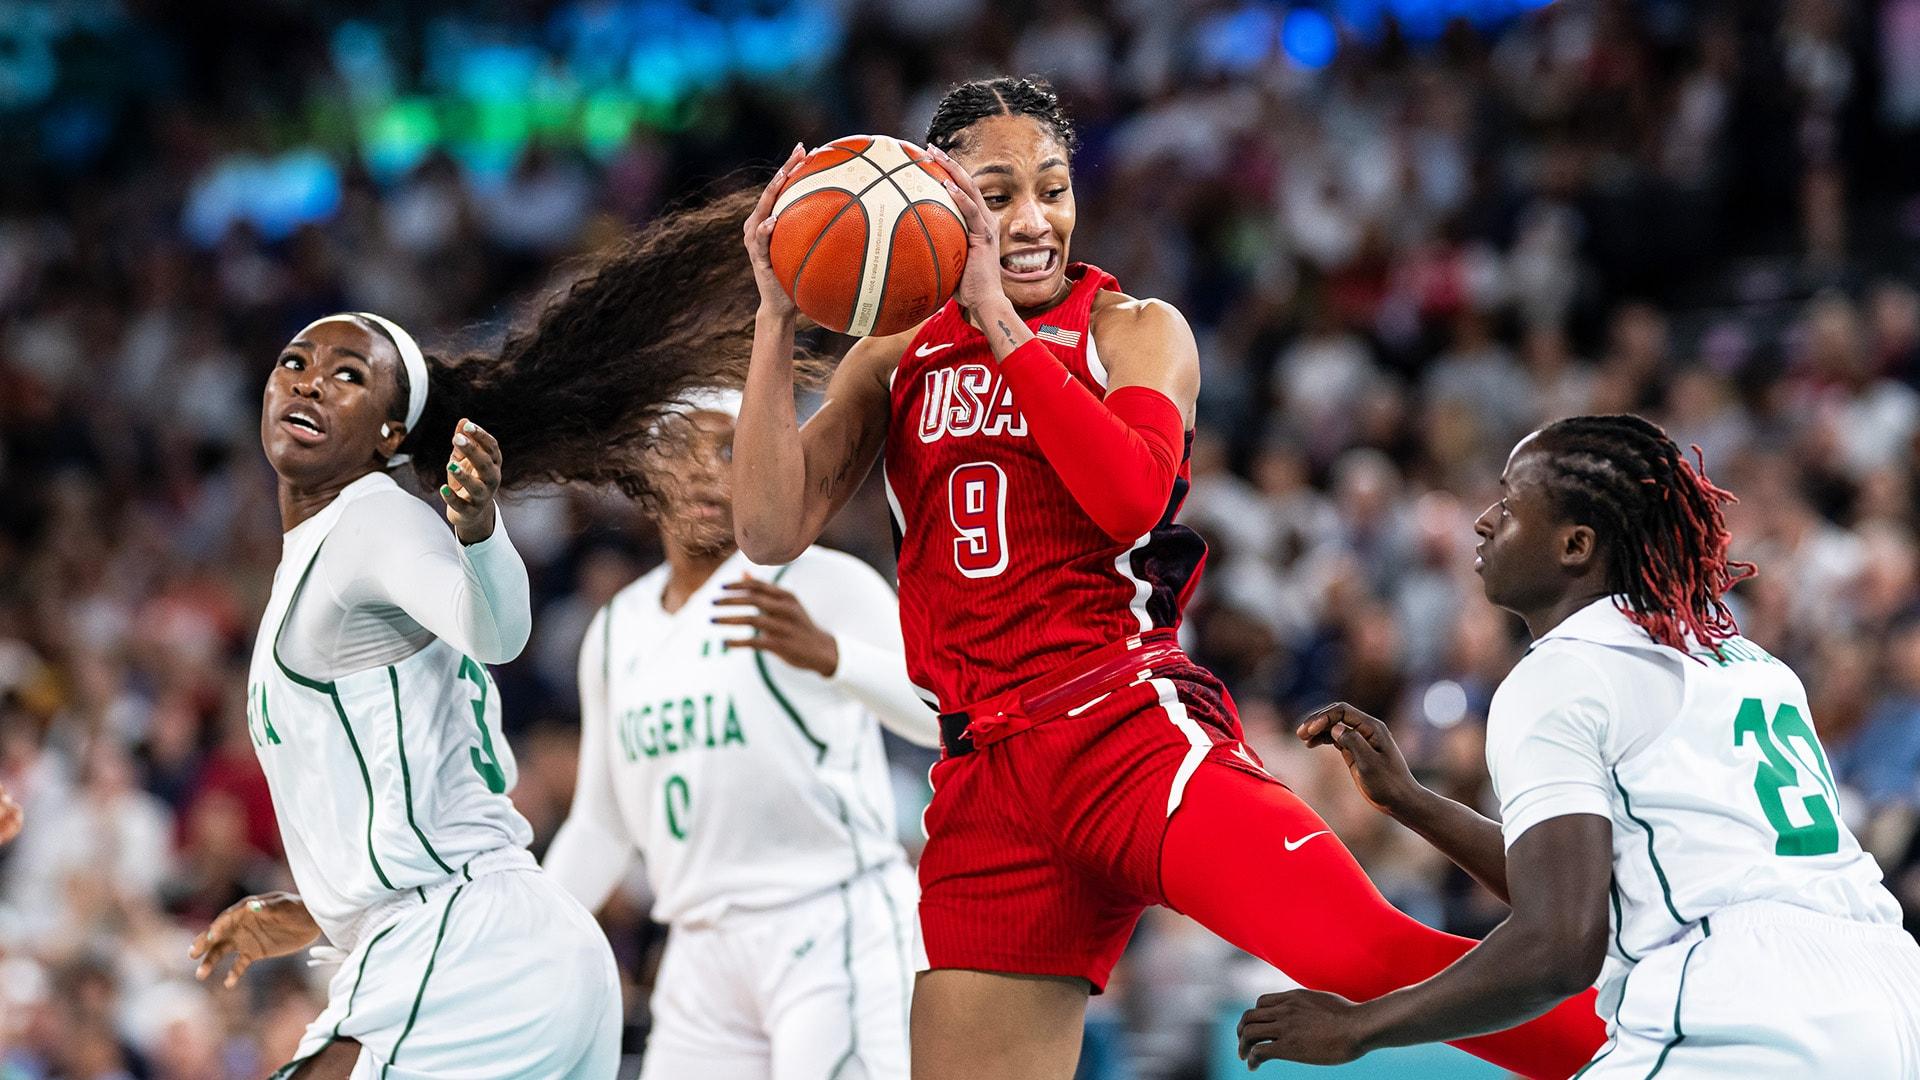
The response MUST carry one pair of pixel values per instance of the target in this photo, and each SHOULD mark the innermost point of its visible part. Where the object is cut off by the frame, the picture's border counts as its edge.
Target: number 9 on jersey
(977, 504)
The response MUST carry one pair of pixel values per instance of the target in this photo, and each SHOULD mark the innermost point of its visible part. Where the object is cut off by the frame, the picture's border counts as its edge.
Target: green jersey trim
(853, 992)
(1614, 1042)
(766, 677)
(1679, 1036)
(340, 710)
(1619, 922)
(291, 1067)
(406, 774)
(1666, 890)
(421, 993)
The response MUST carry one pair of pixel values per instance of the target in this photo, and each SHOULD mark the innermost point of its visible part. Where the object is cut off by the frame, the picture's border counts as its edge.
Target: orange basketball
(865, 237)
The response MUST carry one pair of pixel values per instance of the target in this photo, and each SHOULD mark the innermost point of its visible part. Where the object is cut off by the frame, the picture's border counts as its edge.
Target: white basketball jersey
(747, 782)
(1727, 797)
(385, 780)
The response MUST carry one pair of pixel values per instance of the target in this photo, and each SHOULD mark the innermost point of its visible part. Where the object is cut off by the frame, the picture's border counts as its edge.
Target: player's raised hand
(11, 817)
(759, 238)
(1309, 1026)
(271, 924)
(781, 626)
(473, 479)
(980, 282)
(1373, 759)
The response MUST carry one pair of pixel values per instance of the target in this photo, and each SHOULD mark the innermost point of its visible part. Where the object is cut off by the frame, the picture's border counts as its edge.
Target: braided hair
(1656, 516)
(970, 102)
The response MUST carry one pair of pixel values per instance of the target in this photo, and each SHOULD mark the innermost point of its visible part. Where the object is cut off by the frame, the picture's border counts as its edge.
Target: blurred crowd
(1400, 253)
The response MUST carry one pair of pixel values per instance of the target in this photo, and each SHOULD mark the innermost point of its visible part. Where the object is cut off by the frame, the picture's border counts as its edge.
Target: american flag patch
(1049, 332)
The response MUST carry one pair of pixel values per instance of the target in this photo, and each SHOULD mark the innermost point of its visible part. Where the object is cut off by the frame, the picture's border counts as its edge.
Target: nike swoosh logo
(1294, 845)
(929, 350)
(1090, 704)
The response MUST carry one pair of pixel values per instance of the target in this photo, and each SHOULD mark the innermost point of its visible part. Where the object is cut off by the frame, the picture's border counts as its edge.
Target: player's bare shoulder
(1147, 342)
(1116, 315)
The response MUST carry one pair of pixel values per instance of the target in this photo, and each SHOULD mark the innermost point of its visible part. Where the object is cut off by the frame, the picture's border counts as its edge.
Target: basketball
(865, 237)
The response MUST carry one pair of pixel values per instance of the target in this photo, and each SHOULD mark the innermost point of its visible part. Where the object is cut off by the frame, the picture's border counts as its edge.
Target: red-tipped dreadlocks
(1659, 519)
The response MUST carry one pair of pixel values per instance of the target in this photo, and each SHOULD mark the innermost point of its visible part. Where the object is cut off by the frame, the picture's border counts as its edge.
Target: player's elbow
(1126, 522)
(1567, 956)
(765, 546)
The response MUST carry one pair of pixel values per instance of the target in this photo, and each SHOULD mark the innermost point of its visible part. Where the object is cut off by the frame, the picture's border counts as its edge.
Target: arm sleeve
(395, 550)
(1547, 735)
(591, 852)
(851, 601)
(1118, 456)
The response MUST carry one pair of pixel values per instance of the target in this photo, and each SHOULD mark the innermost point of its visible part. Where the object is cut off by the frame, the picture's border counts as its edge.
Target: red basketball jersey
(1003, 577)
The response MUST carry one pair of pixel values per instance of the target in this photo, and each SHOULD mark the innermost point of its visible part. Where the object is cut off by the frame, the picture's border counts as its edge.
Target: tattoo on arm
(857, 452)
(1005, 330)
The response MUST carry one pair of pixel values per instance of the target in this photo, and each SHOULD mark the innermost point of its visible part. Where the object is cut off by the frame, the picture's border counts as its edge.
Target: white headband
(410, 357)
(707, 399)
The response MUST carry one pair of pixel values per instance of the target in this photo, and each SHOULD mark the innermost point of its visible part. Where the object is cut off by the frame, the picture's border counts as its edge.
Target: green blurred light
(605, 121)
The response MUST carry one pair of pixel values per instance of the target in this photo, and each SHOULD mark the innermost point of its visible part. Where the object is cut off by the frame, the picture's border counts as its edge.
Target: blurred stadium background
(1406, 231)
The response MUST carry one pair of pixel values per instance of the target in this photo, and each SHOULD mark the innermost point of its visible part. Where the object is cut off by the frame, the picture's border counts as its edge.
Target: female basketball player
(370, 706)
(1034, 435)
(1646, 757)
(749, 773)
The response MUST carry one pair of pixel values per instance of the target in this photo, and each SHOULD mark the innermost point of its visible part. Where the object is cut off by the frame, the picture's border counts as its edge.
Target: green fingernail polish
(445, 490)
(453, 466)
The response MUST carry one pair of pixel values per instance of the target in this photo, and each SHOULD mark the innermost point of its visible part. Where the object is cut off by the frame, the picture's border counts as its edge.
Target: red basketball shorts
(1053, 826)
(1043, 844)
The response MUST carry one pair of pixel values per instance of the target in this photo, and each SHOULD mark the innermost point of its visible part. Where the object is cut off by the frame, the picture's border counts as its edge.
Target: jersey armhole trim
(786, 706)
(406, 773)
(340, 710)
(1666, 890)
(325, 687)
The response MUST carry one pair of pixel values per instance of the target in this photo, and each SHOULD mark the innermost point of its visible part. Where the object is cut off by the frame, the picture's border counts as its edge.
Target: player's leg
(1015, 938)
(506, 976)
(835, 980)
(1253, 863)
(1033, 1032)
(705, 1019)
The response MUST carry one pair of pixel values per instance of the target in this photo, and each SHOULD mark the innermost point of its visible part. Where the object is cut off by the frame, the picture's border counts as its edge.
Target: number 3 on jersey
(485, 762)
(1817, 833)
(977, 503)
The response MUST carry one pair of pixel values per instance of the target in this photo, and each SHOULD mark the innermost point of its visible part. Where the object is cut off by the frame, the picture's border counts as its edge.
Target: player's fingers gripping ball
(867, 239)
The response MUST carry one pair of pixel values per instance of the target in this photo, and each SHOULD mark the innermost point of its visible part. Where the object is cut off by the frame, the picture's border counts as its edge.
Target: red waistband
(1133, 659)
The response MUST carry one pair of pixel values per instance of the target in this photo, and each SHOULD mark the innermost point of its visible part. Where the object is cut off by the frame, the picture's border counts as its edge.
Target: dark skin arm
(1548, 950)
(1380, 772)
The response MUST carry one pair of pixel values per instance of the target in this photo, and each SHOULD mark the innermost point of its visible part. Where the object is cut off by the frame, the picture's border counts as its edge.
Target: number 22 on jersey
(1813, 829)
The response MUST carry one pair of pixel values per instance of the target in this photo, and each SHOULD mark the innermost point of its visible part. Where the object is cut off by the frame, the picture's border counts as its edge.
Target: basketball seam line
(913, 207)
(886, 175)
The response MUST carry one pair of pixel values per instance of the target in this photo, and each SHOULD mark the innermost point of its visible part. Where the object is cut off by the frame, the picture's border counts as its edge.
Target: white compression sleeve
(591, 852)
(474, 597)
(391, 577)
(849, 600)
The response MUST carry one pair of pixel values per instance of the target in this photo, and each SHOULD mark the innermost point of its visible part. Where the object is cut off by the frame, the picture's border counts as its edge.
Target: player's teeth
(1020, 264)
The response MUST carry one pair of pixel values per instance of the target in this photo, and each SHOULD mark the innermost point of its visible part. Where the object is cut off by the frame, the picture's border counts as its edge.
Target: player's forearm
(770, 493)
(588, 859)
(1516, 974)
(1118, 457)
(876, 677)
(474, 597)
(1471, 840)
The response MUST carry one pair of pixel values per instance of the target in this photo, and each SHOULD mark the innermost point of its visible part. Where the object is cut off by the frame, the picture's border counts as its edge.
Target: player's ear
(1579, 547)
